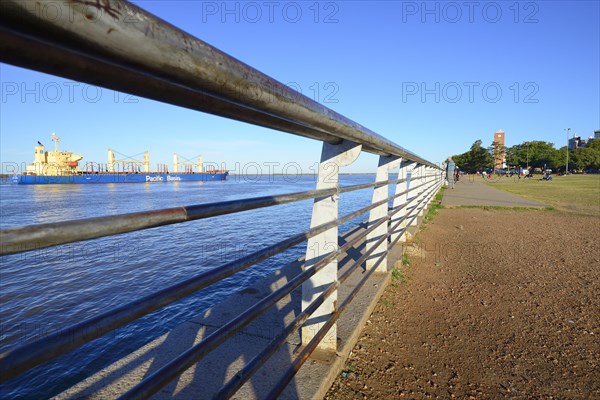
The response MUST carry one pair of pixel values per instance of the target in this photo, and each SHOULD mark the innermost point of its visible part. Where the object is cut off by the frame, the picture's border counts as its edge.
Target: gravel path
(494, 304)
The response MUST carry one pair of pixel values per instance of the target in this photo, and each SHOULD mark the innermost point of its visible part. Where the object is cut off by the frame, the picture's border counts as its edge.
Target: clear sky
(432, 77)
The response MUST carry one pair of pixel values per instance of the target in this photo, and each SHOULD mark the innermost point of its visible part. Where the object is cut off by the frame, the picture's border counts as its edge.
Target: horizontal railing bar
(312, 344)
(15, 240)
(394, 211)
(35, 237)
(404, 216)
(168, 372)
(172, 66)
(344, 189)
(393, 230)
(421, 177)
(253, 365)
(405, 192)
(408, 190)
(20, 359)
(397, 209)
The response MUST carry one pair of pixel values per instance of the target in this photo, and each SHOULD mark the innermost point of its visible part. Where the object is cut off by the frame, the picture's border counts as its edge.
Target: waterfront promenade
(316, 376)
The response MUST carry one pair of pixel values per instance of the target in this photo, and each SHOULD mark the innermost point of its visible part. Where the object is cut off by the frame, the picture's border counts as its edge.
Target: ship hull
(117, 178)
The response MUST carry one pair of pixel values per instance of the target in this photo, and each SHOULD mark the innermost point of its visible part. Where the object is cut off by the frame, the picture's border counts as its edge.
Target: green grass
(435, 206)
(398, 276)
(387, 303)
(572, 193)
(350, 367)
(405, 260)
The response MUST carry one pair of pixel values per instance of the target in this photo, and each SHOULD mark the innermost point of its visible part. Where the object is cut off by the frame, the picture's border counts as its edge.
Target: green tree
(480, 157)
(476, 159)
(517, 155)
(580, 159)
(462, 160)
(586, 157)
(542, 154)
(594, 149)
(561, 158)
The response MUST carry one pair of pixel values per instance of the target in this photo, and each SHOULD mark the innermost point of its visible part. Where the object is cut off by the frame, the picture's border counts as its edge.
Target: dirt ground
(494, 304)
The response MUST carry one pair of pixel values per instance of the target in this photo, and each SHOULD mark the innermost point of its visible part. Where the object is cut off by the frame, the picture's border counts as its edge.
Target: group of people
(453, 173)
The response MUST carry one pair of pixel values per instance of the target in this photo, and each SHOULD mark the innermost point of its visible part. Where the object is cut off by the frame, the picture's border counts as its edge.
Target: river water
(47, 290)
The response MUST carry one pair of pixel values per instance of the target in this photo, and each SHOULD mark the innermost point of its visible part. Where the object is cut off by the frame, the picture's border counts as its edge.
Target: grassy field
(573, 193)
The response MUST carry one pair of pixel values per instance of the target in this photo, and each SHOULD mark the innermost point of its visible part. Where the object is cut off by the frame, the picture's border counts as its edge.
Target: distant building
(576, 142)
(499, 154)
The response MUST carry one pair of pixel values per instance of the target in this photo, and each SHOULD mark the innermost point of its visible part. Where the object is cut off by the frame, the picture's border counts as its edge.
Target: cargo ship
(63, 167)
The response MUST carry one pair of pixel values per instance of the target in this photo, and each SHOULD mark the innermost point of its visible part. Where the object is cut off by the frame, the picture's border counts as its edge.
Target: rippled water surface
(47, 290)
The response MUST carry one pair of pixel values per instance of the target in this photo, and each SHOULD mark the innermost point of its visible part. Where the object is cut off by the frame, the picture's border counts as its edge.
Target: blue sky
(432, 77)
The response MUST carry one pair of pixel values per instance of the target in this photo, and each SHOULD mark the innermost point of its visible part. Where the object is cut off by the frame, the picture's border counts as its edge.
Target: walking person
(450, 172)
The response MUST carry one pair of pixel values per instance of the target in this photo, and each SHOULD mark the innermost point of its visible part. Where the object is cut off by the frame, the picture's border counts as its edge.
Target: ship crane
(188, 164)
(55, 139)
(128, 161)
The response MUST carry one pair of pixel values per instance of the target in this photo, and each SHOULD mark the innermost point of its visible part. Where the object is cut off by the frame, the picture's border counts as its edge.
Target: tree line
(535, 154)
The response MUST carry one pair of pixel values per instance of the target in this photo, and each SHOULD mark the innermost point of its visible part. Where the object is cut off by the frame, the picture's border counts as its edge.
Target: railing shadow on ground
(221, 365)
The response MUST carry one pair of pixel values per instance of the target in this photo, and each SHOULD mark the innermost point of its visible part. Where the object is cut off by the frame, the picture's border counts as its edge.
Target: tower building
(499, 154)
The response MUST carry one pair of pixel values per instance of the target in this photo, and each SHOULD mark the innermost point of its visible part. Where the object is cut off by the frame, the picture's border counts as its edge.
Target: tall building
(576, 142)
(499, 156)
(597, 134)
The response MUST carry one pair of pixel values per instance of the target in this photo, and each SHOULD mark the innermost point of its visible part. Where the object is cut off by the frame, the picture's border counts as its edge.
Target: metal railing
(176, 68)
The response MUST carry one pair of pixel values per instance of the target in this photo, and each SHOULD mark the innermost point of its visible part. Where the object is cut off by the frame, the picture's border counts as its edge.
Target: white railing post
(414, 195)
(434, 184)
(428, 187)
(380, 193)
(325, 209)
(414, 205)
(422, 192)
(400, 201)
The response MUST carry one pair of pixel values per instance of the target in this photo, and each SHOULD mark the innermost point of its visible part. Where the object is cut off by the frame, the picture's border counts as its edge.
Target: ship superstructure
(64, 167)
(46, 163)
